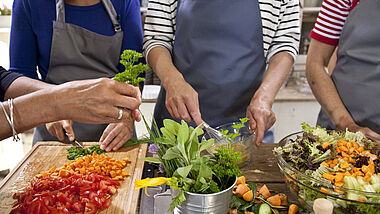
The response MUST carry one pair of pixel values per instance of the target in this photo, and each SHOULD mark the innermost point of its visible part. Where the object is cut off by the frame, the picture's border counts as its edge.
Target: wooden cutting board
(45, 155)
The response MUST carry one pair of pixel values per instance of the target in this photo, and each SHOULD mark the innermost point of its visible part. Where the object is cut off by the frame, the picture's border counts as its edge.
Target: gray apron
(357, 72)
(218, 48)
(78, 54)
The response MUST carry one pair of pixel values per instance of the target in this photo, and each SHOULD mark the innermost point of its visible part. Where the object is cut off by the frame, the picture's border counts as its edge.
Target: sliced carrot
(264, 191)
(344, 165)
(325, 190)
(328, 176)
(325, 145)
(248, 196)
(233, 211)
(240, 180)
(242, 189)
(338, 191)
(339, 177)
(293, 209)
(274, 200)
(372, 157)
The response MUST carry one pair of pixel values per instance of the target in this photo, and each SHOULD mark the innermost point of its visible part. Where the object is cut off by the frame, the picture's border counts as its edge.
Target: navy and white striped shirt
(280, 21)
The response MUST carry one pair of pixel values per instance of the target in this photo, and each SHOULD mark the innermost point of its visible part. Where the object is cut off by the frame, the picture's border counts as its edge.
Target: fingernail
(114, 149)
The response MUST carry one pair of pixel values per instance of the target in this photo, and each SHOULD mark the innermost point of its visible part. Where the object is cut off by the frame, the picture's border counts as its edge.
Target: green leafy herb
(231, 136)
(75, 152)
(225, 166)
(132, 71)
(179, 150)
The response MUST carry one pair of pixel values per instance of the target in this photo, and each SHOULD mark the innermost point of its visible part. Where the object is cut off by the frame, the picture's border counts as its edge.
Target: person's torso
(357, 72)
(93, 18)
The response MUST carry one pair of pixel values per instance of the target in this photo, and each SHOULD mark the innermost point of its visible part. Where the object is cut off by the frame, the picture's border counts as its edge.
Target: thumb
(67, 126)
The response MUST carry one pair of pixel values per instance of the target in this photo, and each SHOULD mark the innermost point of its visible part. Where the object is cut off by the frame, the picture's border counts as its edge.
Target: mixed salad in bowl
(343, 167)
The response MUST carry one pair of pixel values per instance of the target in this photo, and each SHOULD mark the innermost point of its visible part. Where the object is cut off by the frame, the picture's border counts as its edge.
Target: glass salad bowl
(308, 186)
(243, 143)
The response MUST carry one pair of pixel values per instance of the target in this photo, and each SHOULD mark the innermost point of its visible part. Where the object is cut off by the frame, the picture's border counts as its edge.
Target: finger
(51, 129)
(125, 114)
(117, 142)
(373, 135)
(67, 126)
(136, 115)
(126, 89)
(173, 111)
(110, 138)
(182, 111)
(126, 102)
(194, 112)
(106, 132)
(259, 131)
(251, 121)
(121, 143)
(59, 131)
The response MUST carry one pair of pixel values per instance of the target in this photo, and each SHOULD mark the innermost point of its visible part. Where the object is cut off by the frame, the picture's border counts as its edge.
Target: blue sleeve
(132, 28)
(23, 45)
(130, 21)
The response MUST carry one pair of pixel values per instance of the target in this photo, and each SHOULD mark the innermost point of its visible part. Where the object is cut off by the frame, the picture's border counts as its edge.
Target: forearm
(161, 61)
(278, 69)
(322, 85)
(24, 85)
(29, 111)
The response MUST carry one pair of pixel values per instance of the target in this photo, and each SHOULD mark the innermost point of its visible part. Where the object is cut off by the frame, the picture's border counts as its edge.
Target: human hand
(182, 101)
(97, 100)
(116, 134)
(261, 117)
(59, 129)
(353, 127)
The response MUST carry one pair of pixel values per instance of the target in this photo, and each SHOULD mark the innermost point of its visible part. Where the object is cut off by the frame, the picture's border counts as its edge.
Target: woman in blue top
(73, 40)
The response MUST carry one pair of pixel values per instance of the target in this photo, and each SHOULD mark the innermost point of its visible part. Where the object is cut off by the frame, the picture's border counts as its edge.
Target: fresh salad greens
(132, 71)
(340, 164)
(75, 152)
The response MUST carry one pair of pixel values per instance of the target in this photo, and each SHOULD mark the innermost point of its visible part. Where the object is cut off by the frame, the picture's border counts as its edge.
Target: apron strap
(115, 18)
(60, 10)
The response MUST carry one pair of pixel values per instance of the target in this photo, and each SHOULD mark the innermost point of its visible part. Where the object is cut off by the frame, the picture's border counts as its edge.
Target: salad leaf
(325, 156)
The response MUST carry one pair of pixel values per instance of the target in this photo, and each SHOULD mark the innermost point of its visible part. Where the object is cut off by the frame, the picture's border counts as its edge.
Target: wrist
(265, 97)
(171, 79)
(342, 122)
(55, 97)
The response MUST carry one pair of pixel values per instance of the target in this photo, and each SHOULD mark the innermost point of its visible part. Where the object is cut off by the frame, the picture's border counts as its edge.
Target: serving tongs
(75, 142)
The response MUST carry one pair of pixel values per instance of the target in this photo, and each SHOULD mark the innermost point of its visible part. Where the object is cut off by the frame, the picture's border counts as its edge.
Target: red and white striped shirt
(330, 21)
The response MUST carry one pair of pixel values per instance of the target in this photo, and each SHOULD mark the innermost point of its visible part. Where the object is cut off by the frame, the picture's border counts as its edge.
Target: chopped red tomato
(76, 194)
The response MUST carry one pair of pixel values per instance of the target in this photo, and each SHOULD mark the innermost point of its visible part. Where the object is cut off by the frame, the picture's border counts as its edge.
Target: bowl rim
(281, 161)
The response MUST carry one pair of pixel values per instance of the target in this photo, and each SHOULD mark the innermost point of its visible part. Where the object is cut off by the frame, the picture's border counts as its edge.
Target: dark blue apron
(357, 72)
(218, 48)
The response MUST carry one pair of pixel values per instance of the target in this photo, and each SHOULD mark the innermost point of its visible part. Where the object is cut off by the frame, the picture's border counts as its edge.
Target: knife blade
(75, 141)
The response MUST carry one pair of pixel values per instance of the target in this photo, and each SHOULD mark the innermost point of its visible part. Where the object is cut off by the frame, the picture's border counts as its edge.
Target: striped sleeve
(330, 21)
(159, 27)
(287, 34)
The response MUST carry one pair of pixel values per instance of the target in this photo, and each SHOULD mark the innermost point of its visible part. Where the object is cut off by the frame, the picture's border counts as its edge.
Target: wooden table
(263, 169)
